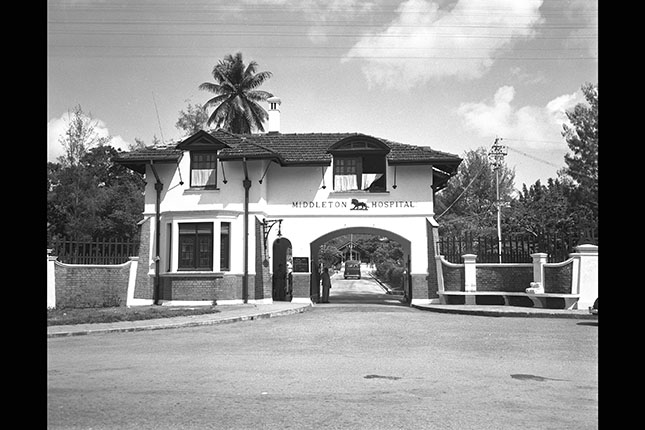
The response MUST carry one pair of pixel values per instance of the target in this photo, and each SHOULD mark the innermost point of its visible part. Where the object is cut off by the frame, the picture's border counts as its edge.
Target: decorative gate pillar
(470, 277)
(587, 285)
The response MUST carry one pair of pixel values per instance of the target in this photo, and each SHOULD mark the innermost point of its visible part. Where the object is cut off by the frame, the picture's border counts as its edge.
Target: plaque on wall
(301, 264)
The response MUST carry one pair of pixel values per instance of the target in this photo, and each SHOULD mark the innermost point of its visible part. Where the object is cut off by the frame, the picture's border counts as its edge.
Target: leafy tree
(236, 108)
(542, 209)
(329, 255)
(79, 137)
(192, 120)
(95, 198)
(467, 204)
(582, 163)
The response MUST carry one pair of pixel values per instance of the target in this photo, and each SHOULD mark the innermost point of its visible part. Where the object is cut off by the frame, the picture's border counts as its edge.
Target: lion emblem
(361, 206)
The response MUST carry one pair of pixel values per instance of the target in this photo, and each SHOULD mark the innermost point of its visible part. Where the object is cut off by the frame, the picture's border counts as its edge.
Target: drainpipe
(245, 279)
(158, 188)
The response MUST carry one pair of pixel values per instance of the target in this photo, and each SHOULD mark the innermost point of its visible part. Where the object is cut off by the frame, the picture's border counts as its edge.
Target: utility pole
(496, 155)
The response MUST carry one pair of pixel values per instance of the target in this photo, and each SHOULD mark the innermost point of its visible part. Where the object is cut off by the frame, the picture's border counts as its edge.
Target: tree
(79, 137)
(582, 164)
(236, 108)
(192, 120)
(467, 204)
(94, 198)
(542, 209)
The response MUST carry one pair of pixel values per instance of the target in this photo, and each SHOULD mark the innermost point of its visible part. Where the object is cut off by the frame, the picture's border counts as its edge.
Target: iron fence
(516, 248)
(94, 251)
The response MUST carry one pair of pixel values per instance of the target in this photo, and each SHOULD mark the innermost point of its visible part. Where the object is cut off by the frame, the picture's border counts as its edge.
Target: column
(51, 280)
(587, 285)
(470, 277)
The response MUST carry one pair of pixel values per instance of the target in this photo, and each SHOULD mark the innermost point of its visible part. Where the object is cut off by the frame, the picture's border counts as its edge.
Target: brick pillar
(301, 287)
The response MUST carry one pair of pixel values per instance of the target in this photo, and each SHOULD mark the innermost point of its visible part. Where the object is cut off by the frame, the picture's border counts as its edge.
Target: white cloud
(56, 128)
(425, 42)
(534, 126)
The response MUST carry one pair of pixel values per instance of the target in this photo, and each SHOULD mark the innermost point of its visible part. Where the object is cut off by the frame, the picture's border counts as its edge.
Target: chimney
(274, 114)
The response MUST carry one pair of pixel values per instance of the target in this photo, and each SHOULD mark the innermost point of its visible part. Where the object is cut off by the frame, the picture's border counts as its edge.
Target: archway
(315, 262)
(282, 268)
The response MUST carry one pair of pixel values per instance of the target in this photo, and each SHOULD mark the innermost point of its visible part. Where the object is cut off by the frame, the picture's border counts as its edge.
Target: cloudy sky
(449, 74)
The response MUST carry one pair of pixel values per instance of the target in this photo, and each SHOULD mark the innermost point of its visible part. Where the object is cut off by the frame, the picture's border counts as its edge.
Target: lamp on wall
(223, 172)
(267, 225)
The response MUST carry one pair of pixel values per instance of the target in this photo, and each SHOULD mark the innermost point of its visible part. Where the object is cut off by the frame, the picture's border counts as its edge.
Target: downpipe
(158, 187)
(245, 278)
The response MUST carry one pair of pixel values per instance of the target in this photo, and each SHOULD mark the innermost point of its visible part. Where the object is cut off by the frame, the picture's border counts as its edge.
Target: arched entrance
(316, 266)
(282, 268)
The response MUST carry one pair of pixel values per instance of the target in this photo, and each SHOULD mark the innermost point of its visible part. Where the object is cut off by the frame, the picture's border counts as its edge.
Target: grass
(106, 315)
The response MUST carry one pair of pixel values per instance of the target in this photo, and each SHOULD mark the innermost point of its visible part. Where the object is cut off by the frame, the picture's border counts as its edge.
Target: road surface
(369, 364)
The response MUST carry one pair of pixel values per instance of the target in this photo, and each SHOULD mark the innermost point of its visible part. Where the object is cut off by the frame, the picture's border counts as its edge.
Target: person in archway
(326, 285)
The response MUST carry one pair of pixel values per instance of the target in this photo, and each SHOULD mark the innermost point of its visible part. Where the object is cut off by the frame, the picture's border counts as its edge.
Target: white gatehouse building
(227, 215)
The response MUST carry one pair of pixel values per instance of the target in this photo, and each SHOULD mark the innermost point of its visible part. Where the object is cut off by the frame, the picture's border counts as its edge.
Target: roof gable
(359, 143)
(202, 141)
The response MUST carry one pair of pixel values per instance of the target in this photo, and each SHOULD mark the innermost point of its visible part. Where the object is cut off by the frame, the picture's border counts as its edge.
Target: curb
(514, 313)
(171, 324)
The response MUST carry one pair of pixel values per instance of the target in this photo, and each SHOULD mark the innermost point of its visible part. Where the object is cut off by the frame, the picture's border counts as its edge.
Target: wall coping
(93, 266)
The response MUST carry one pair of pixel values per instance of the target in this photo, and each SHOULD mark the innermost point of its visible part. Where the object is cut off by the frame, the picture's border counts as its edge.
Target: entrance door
(282, 268)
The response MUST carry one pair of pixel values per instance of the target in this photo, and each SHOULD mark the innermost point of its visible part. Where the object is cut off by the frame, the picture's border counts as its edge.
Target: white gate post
(51, 280)
(539, 260)
(470, 277)
(587, 285)
(132, 280)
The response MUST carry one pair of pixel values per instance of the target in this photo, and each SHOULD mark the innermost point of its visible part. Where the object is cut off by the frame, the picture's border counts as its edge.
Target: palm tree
(236, 107)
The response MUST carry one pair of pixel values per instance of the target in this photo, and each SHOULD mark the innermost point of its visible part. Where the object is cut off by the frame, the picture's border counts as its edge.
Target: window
(203, 169)
(225, 247)
(366, 172)
(196, 246)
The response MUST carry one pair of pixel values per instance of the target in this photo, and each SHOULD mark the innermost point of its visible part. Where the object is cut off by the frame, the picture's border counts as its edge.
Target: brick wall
(558, 279)
(193, 287)
(85, 286)
(433, 282)
(263, 283)
(453, 278)
(144, 283)
(504, 278)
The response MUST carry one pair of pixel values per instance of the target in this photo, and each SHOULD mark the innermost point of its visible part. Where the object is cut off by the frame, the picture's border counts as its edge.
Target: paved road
(337, 366)
(358, 291)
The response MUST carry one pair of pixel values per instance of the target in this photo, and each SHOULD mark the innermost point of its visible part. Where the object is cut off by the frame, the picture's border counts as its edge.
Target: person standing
(326, 285)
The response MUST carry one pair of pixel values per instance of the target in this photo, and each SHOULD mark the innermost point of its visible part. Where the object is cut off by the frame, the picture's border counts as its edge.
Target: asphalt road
(361, 362)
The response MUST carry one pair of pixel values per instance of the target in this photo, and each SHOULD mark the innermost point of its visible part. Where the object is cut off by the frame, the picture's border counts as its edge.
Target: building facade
(239, 218)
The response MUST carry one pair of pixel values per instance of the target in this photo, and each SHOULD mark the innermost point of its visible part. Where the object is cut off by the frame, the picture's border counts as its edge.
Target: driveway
(369, 364)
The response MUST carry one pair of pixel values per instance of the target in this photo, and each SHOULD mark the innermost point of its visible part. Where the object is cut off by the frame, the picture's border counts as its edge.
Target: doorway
(282, 268)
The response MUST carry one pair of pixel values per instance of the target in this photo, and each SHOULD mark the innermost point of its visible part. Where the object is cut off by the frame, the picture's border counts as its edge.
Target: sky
(453, 75)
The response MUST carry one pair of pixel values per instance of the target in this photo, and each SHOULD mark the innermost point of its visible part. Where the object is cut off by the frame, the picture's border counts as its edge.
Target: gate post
(470, 277)
(539, 260)
(587, 285)
(51, 280)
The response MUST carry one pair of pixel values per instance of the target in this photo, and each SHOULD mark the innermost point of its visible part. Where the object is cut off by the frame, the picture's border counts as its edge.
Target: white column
(132, 280)
(587, 285)
(470, 277)
(51, 281)
(539, 260)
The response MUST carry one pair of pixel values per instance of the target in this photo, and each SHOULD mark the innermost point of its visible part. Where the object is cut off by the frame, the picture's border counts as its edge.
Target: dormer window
(203, 169)
(359, 164)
